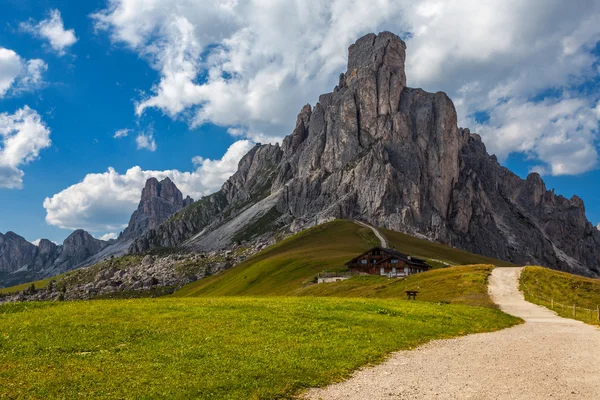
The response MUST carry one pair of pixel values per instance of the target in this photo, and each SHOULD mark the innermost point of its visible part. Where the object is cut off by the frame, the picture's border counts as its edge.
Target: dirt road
(548, 357)
(382, 240)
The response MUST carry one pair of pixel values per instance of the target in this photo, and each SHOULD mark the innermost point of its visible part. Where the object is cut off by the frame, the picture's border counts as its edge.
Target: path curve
(379, 235)
(547, 357)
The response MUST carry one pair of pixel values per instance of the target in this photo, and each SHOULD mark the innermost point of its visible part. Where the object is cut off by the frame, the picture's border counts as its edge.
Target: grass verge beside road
(559, 291)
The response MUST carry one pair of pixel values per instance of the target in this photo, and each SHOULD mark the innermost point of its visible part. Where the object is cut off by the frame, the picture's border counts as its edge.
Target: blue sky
(209, 79)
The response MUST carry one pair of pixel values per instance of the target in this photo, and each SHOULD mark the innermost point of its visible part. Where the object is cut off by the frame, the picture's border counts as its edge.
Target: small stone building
(387, 262)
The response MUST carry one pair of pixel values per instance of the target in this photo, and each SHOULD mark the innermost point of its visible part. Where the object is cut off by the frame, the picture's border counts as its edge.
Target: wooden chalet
(387, 262)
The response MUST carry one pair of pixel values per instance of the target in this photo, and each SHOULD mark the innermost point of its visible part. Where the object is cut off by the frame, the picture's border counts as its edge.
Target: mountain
(377, 150)
(15, 252)
(159, 201)
(21, 261)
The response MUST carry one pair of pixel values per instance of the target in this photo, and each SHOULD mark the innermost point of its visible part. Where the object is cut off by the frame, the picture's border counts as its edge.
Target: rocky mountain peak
(374, 52)
(376, 150)
(46, 246)
(158, 202)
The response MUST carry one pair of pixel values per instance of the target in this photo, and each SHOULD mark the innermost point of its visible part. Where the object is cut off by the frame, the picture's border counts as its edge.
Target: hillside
(459, 285)
(542, 286)
(288, 266)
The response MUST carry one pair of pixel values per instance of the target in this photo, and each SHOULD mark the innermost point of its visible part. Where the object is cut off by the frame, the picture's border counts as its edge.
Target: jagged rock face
(27, 262)
(77, 247)
(249, 185)
(15, 252)
(159, 201)
(378, 151)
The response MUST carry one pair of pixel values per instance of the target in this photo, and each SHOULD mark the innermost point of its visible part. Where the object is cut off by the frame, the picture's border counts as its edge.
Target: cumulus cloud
(145, 140)
(19, 75)
(22, 136)
(108, 236)
(240, 64)
(36, 242)
(121, 133)
(53, 30)
(104, 202)
(560, 133)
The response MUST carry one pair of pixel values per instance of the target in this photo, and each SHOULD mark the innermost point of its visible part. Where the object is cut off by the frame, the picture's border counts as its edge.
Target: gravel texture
(548, 357)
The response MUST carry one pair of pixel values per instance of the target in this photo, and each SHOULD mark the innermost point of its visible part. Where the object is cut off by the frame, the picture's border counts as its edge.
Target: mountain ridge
(22, 261)
(377, 150)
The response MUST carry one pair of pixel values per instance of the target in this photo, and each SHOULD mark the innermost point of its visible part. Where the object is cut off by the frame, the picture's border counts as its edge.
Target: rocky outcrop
(76, 248)
(377, 150)
(15, 252)
(159, 201)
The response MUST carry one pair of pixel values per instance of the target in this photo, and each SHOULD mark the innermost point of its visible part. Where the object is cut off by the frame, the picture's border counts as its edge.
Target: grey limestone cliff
(159, 201)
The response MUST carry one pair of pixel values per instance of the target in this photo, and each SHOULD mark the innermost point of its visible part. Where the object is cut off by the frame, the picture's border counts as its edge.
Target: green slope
(287, 267)
(460, 285)
(542, 285)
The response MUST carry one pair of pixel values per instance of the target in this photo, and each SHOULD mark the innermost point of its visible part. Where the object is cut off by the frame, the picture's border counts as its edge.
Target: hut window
(394, 261)
(363, 261)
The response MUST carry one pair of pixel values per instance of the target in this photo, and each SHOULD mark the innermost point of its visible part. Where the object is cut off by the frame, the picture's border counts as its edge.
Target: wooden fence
(571, 310)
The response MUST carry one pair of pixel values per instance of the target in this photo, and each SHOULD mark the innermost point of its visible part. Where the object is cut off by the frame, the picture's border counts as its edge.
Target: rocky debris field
(159, 273)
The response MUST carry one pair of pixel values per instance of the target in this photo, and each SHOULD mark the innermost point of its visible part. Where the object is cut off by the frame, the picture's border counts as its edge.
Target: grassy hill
(461, 285)
(288, 267)
(542, 285)
(217, 348)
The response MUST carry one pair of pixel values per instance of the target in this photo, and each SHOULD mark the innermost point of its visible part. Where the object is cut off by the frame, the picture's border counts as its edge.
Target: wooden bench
(412, 294)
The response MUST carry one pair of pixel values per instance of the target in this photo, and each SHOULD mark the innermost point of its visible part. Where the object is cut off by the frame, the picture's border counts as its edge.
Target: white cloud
(560, 133)
(108, 236)
(22, 136)
(19, 75)
(121, 133)
(146, 141)
(36, 242)
(53, 30)
(104, 201)
(242, 64)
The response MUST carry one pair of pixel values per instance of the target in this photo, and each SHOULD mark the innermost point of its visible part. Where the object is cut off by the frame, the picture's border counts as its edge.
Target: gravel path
(548, 357)
(381, 238)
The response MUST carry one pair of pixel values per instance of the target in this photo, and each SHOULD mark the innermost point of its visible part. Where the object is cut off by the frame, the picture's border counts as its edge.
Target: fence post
(552, 303)
(574, 311)
(591, 317)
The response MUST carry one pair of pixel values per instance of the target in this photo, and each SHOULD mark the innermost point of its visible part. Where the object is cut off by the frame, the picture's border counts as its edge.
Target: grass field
(541, 285)
(286, 267)
(461, 285)
(214, 348)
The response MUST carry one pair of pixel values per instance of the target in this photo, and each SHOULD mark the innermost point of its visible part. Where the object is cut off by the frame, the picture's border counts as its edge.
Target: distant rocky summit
(159, 201)
(376, 150)
(21, 261)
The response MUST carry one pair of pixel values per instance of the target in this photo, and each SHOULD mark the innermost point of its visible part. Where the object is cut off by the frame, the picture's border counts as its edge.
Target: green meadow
(212, 348)
(260, 330)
